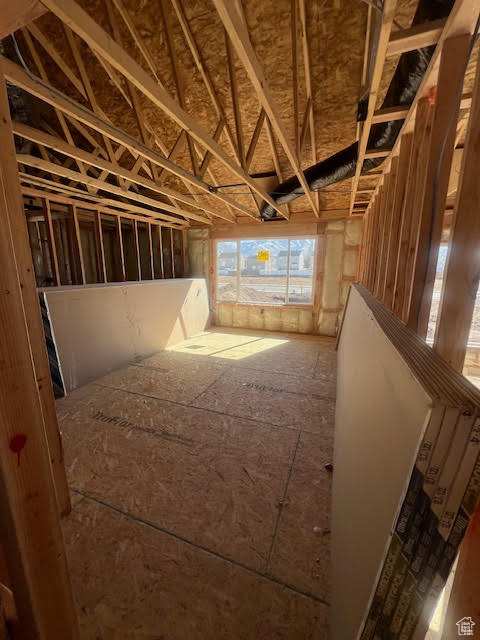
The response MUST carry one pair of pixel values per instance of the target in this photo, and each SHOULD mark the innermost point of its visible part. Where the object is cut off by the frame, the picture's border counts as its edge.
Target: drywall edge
(381, 413)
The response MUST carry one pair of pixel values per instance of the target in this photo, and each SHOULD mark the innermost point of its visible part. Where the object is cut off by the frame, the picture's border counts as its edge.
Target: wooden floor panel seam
(151, 525)
(238, 367)
(192, 406)
(206, 389)
(281, 505)
(316, 365)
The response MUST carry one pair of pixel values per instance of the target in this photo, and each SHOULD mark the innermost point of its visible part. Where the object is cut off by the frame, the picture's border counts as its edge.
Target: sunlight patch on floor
(251, 348)
(226, 345)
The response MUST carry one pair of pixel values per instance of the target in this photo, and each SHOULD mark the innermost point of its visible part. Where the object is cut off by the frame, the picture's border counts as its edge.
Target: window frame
(289, 238)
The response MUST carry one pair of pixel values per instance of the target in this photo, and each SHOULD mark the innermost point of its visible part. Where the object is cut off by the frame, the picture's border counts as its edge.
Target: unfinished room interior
(240, 326)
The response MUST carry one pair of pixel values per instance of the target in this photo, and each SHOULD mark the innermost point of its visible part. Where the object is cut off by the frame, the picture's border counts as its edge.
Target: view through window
(268, 271)
(472, 357)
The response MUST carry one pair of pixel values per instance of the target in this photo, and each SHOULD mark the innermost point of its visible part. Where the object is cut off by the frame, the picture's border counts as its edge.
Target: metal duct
(402, 90)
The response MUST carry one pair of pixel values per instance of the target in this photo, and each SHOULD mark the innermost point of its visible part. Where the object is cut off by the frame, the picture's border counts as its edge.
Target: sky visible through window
(266, 271)
(474, 338)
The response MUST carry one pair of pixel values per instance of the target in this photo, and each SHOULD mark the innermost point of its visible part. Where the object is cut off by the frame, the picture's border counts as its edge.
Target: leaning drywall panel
(99, 328)
(381, 412)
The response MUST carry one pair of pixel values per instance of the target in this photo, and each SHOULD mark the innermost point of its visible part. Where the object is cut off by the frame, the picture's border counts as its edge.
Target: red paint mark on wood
(432, 96)
(17, 443)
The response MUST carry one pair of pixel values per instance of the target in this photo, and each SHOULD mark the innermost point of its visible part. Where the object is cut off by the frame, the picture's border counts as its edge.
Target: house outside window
(227, 261)
(273, 271)
(296, 259)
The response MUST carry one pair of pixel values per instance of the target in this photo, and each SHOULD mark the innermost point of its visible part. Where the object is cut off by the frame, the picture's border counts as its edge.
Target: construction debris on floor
(201, 498)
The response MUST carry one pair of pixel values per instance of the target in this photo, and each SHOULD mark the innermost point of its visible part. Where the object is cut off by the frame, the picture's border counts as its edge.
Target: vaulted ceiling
(309, 58)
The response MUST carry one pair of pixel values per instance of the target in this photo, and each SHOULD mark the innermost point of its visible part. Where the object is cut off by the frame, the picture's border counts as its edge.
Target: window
(268, 271)
(227, 271)
(437, 291)
(263, 272)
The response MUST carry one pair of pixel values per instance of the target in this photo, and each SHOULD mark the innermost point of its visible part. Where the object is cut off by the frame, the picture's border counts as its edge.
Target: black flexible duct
(403, 87)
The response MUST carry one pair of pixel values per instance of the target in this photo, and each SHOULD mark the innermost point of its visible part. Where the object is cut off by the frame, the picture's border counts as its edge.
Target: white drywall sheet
(98, 328)
(381, 413)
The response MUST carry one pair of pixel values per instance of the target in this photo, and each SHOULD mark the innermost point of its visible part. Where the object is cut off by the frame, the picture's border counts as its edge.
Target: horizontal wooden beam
(29, 192)
(400, 113)
(389, 113)
(377, 153)
(18, 77)
(55, 169)
(52, 188)
(462, 19)
(82, 24)
(416, 37)
(40, 137)
(372, 173)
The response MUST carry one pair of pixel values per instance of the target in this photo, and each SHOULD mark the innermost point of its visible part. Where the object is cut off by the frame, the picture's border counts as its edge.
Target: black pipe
(401, 92)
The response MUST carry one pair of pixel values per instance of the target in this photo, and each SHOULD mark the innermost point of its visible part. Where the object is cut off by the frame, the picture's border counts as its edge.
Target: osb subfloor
(201, 501)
